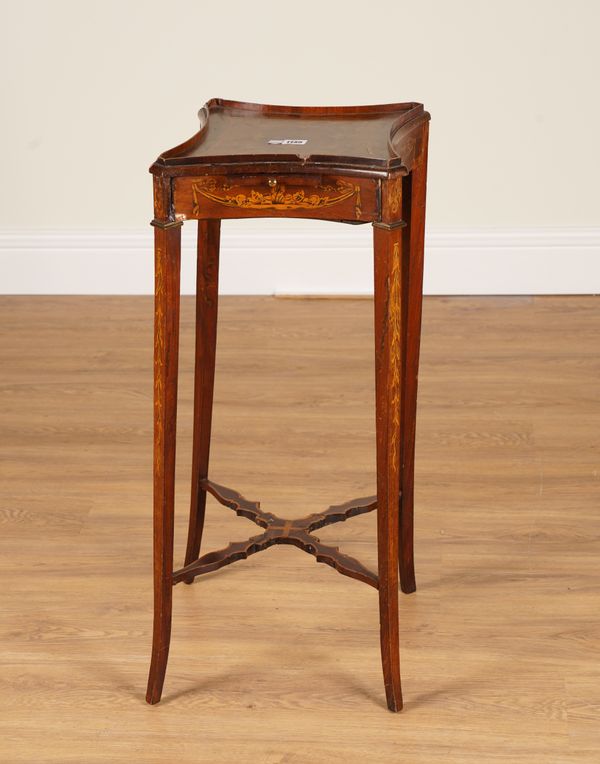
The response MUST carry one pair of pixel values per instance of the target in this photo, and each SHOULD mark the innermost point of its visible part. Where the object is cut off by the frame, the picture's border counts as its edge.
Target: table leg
(167, 244)
(413, 213)
(207, 295)
(388, 392)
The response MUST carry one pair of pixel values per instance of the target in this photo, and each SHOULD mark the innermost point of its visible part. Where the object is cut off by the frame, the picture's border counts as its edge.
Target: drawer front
(312, 196)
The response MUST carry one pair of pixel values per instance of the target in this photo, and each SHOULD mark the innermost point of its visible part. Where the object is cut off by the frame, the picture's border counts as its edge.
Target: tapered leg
(207, 291)
(413, 212)
(388, 392)
(166, 350)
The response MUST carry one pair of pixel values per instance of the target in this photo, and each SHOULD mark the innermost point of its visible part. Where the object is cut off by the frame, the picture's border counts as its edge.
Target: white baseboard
(304, 257)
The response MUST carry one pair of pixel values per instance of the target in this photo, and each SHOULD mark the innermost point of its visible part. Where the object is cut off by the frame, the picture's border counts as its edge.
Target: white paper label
(289, 141)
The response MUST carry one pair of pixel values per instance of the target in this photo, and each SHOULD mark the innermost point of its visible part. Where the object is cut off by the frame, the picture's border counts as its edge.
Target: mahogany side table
(355, 164)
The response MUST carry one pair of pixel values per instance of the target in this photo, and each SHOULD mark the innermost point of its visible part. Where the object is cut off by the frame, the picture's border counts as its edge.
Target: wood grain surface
(275, 659)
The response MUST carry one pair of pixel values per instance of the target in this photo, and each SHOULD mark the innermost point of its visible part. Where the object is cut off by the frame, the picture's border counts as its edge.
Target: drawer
(330, 197)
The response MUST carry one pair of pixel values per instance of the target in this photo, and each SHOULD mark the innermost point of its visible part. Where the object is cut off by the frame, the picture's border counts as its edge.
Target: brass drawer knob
(272, 182)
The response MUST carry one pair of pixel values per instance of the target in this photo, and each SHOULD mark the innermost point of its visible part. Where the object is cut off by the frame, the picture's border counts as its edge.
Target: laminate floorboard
(275, 660)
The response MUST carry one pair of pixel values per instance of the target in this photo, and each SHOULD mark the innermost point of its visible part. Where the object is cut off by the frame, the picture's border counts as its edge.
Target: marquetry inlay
(275, 197)
(395, 361)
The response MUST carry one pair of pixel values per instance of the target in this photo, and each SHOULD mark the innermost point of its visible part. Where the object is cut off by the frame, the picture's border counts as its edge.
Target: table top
(259, 136)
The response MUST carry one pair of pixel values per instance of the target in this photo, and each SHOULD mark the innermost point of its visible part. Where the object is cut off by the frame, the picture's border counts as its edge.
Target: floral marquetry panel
(314, 196)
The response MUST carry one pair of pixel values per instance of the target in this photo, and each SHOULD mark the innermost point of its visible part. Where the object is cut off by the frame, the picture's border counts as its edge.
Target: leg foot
(166, 348)
(388, 374)
(207, 290)
(158, 668)
(413, 211)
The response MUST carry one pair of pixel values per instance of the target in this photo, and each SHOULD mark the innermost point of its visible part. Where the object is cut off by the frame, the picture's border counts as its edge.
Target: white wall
(93, 91)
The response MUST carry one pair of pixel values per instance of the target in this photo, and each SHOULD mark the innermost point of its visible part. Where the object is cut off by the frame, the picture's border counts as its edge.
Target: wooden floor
(276, 659)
